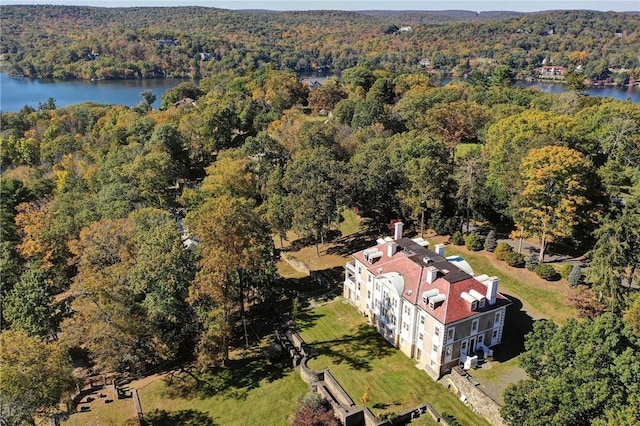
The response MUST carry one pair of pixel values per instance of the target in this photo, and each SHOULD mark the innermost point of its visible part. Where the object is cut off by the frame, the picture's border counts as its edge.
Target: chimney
(432, 274)
(492, 289)
(392, 247)
(439, 249)
(398, 230)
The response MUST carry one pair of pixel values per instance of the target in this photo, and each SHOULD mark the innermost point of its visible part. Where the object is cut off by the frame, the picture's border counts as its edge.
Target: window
(377, 286)
(495, 333)
(474, 326)
(369, 278)
(368, 294)
(463, 347)
(436, 331)
(450, 335)
(421, 319)
(497, 321)
(421, 336)
(474, 305)
(481, 305)
(358, 286)
(435, 348)
(418, 354)
(447, 353)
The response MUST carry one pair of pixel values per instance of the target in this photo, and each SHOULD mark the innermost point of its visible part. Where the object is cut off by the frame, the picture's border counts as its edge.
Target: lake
(15, 93)
(622, 93)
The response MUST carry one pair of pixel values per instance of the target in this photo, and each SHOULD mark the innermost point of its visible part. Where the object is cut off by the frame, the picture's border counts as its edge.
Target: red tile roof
(409, 262)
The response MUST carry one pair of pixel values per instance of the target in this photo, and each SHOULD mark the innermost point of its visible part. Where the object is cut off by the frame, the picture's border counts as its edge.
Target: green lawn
(115, 413)
(251, 391)
(358, 357)
(270, 401)
(548, 299)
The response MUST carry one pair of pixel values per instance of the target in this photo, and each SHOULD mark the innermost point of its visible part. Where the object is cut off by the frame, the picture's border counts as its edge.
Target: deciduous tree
(554, 196)
(236, 256)
(615, 257)
(34, 378)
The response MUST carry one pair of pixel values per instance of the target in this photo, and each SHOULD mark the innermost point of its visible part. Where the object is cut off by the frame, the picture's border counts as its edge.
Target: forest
(97, 200)
(65, 42)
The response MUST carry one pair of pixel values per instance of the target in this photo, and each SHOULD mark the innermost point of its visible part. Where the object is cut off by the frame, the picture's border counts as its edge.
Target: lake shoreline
(19, 92)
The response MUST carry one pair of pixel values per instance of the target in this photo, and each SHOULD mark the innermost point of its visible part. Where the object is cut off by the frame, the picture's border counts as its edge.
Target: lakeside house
(552, 72)
(430, 307)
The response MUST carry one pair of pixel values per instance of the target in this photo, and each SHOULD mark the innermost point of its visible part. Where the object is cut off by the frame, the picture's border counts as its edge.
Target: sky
(477, 5)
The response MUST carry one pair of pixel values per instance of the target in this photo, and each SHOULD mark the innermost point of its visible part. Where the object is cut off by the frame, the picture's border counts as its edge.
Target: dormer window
(428, 294)
(372, 254)
(479, 297)
(473, 302)
(436, 301)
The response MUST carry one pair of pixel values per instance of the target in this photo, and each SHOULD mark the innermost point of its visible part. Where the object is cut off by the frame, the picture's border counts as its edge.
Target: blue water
(15, 93)
(622, 93)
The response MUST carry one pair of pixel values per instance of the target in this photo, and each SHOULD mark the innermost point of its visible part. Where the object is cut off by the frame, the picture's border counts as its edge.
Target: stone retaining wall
(296, 264)
(326, 385)
(481, 403)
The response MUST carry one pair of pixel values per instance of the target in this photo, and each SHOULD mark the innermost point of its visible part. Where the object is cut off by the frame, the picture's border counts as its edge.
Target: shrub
(575, 276)
(546, 271)
(451, 420)
(501, 250)
(532, 262)
(490, 242)
(515, 259)
(473, 242)
(313, 409)
(457, 238)
(565, 270)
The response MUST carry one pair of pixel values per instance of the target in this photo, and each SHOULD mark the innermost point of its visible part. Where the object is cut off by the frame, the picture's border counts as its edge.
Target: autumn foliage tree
(236, 257)
(129, 309)
(34, 377)
(554, 192)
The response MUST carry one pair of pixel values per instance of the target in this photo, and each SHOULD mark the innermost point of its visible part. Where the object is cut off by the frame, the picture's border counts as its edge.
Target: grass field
(116, 413)
(359, 357)
(542, 299)
(265, 402)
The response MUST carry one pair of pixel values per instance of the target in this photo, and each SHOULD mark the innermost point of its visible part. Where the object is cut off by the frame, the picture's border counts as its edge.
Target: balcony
(350, 267)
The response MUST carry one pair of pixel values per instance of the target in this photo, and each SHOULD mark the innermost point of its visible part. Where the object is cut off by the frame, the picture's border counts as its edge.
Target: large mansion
(430, 307)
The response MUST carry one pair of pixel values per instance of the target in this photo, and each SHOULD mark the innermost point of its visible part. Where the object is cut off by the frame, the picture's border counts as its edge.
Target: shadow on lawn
(517, 324)
(182, 417)
(356, 350)
(234, 380)
(307, 319)
(352, 243)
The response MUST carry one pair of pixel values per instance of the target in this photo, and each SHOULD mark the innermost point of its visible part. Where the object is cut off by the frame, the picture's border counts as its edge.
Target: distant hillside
(441, 16)
(116, 43)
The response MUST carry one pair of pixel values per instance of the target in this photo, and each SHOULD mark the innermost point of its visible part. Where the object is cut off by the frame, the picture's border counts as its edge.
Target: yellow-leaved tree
(554, 193)
(236, 260)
